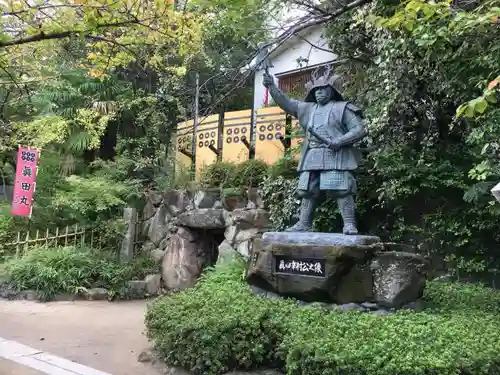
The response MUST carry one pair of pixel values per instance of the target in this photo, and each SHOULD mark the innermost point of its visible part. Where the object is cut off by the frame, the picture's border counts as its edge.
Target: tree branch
(46, 7)
(111, 41)
(303, 24)
(312, 8)
(314, 45)
(321, 19)
(61, 35)
(297, 28)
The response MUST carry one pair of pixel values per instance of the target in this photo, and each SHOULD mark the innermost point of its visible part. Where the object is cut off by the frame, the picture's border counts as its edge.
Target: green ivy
(280, 199)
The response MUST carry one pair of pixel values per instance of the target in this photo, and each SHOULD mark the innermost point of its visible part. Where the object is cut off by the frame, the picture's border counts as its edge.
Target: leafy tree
(417, 68)
(116, 33)
(100, 86)
(412, 66)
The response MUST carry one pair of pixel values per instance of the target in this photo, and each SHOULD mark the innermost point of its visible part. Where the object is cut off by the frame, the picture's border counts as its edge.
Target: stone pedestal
(334, 268)
(314, 266)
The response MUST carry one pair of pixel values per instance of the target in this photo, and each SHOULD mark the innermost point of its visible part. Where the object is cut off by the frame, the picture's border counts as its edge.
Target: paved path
(104, 337)
(12, 368)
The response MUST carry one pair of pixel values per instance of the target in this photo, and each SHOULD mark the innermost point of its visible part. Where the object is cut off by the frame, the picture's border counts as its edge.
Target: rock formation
(188, 231)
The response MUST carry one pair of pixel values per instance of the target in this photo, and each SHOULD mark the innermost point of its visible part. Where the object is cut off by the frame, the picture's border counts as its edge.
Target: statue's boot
(347, 210)
(304, 224)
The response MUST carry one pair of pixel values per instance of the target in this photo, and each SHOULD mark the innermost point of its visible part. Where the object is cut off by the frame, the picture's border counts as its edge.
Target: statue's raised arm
(287, 104)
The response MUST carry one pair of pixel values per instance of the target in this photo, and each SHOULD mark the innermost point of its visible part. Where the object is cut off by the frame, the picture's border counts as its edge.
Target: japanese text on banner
(24, 187)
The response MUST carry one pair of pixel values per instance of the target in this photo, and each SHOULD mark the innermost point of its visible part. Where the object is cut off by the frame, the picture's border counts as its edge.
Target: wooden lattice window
(294, 83)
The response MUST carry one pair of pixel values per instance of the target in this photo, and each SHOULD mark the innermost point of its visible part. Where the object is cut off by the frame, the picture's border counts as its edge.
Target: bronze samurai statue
(332, 126)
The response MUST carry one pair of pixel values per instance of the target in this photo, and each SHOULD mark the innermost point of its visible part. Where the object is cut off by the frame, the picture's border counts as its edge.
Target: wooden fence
(74, 235)
(67, 236)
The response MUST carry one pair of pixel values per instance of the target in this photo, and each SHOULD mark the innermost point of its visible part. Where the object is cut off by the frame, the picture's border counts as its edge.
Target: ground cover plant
(72, 270)
(219, 325)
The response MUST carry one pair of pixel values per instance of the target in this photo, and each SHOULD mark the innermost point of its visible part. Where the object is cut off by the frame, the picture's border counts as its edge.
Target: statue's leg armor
(307, 206)
(347, 210)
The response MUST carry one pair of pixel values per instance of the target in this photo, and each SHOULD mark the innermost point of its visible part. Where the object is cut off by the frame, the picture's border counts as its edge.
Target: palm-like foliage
(66, 97)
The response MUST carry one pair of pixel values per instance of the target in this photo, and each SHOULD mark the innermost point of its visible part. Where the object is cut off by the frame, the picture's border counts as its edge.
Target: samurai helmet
(322, 79)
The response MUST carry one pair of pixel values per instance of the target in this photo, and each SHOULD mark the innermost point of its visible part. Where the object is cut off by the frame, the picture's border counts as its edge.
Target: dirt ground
(99, 334)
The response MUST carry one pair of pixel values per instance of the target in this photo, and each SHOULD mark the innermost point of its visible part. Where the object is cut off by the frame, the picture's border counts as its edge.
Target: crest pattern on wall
(235, 137)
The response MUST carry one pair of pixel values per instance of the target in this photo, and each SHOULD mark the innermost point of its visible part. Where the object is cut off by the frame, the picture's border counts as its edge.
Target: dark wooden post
(253, 122)
(195, 123)
(286, 139)
(220, 132)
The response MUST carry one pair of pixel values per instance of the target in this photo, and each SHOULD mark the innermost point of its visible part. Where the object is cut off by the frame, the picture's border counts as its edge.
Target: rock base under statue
(335, 269)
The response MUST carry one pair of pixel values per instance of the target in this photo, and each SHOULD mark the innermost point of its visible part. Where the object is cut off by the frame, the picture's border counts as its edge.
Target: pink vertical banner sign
(24, 187)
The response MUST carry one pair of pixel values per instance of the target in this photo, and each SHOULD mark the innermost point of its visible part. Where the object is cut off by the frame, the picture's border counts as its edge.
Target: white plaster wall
(259, 90)
(285, 59)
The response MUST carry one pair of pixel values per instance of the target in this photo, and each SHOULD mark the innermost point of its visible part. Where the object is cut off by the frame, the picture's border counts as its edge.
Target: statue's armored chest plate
(321, 115)
(327, 124)
(323, 121)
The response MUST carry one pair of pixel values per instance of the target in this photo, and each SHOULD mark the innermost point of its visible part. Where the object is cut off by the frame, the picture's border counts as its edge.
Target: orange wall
(183, 141)
(268, 147)
(207, 135)
(270, 126)
(236, 125)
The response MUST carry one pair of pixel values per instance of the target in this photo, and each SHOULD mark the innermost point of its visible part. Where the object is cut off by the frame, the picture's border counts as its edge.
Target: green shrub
(218, 175)
(110, 233)
(219, 325)
(233, 192)
(249, 173)
(86, 199)
(284, 167)
(216, 326)
(406, 343)
(7, 230)
(452, 296)
(52, 271)
(280, 198)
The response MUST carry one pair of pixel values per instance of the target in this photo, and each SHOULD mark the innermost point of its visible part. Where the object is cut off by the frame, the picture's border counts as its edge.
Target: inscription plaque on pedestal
(299, 266)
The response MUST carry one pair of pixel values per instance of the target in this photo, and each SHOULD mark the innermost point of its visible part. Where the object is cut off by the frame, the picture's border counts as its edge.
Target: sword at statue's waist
(319, 137)
(327, 142)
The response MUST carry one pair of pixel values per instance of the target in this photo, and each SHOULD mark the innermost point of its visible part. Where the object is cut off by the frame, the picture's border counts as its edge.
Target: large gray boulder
(242, 226)
(206, 198)
(204, 218)
(159, 225)
(177, 201)
(186, 255)
(227, 253)
(398, 278)
(335, 268)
